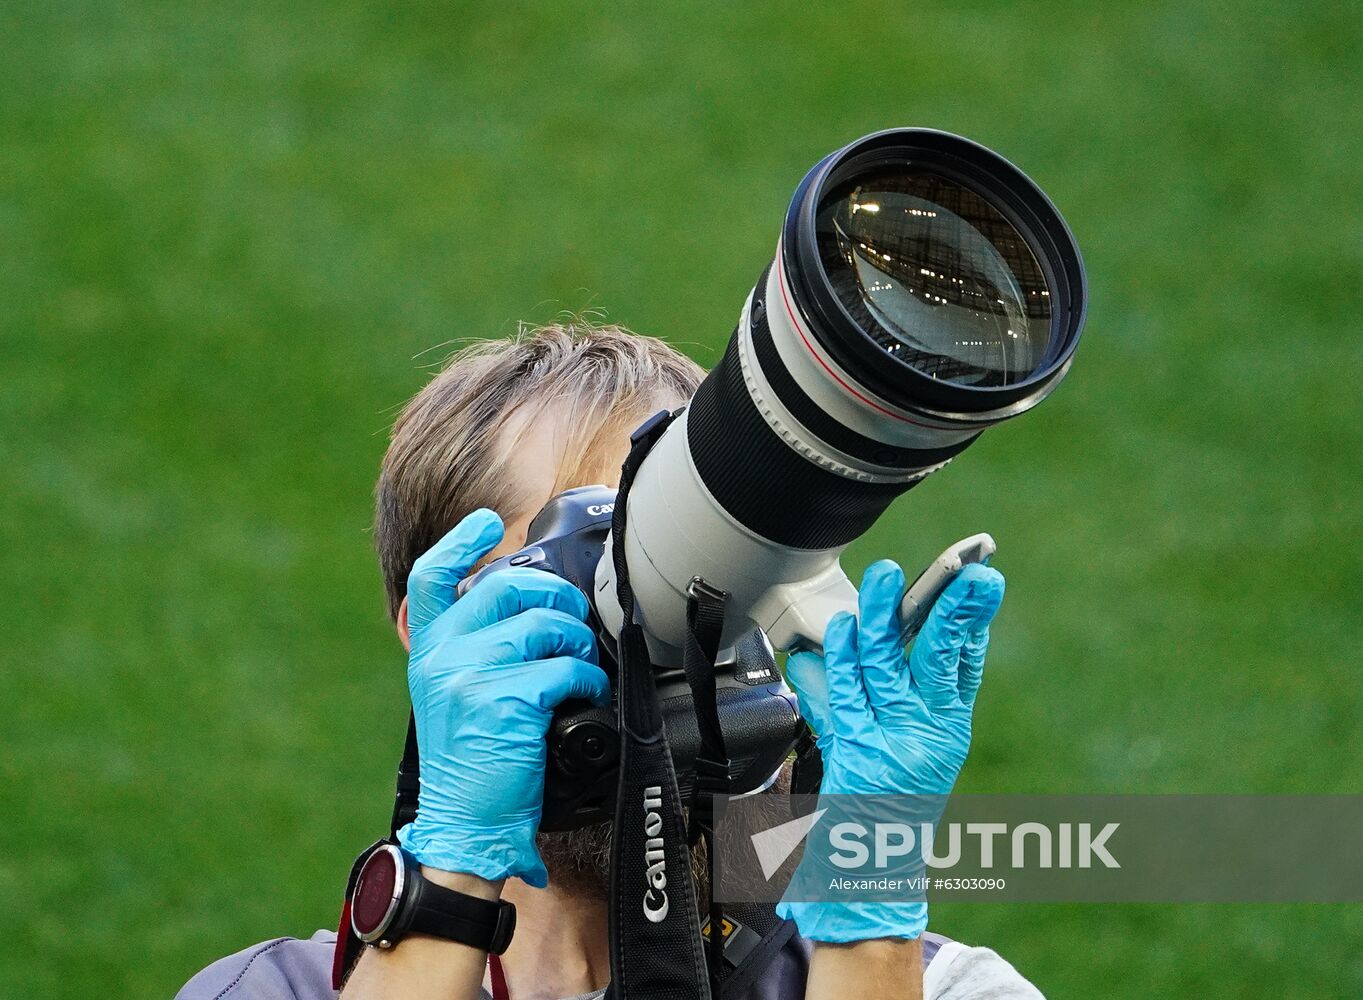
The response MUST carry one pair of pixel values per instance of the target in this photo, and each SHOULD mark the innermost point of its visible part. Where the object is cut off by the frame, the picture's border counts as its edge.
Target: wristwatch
(393, 899)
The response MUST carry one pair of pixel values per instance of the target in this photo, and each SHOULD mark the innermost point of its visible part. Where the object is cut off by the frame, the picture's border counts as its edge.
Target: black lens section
(766, 485)
(936, 275)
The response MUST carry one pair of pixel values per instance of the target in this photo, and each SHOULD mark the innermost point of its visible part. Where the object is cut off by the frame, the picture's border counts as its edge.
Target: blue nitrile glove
(485, 675)
(891, 725)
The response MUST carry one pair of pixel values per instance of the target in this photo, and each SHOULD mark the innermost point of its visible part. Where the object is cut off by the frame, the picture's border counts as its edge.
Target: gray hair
(447, 454)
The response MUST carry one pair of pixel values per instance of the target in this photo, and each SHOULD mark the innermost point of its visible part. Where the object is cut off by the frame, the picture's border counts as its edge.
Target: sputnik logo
(775, 845)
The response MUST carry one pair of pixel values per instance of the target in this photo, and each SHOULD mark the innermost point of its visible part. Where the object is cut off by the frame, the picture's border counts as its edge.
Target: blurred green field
(235, 238)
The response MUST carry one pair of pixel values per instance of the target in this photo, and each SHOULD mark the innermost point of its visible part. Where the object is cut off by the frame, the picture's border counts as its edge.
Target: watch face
(377, 893)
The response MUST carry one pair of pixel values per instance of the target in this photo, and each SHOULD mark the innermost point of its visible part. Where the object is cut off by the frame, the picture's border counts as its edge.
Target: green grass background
(229, 232)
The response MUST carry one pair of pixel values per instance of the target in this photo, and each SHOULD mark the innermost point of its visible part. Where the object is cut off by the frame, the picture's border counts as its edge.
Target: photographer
(503, 428)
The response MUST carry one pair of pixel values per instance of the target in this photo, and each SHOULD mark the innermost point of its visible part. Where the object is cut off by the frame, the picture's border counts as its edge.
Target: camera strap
(808, 771)
(409, 783)
(655, 936)
(704, 626)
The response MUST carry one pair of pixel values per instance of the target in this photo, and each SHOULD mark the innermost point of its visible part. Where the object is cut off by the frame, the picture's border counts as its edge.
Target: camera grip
(761, 725)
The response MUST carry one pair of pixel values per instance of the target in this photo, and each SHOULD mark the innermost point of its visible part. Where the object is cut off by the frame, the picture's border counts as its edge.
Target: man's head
(507, 425)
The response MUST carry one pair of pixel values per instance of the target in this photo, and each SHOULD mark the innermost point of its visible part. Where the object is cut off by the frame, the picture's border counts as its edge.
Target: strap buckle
(408, 791)
(713, 776)
(699, 590)
(652, 428)
(505, 928)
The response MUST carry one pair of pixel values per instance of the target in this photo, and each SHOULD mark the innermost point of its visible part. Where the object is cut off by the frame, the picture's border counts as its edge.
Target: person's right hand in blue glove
(888, 724)
(485, 675)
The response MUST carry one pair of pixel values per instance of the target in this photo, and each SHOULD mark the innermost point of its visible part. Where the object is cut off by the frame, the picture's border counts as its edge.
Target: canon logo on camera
(655, 896)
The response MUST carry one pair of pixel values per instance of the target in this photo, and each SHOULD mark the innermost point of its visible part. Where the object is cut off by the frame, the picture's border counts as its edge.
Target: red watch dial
(376, 893)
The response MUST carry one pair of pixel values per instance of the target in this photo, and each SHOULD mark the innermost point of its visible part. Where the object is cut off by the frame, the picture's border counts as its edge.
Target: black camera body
(758, 712)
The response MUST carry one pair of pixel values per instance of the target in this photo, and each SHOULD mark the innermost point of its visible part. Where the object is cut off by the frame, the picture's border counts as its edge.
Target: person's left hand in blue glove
(888, 724)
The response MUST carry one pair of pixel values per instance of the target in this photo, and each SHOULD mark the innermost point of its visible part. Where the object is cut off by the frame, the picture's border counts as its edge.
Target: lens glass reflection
(937, 276)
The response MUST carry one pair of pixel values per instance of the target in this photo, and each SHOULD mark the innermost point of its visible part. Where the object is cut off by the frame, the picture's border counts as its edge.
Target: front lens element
(937, 276)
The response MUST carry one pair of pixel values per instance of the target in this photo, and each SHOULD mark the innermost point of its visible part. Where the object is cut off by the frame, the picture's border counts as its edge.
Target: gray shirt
(292, 969)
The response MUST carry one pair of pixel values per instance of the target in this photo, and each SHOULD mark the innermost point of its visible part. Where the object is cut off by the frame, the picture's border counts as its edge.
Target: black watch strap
(485, 924)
